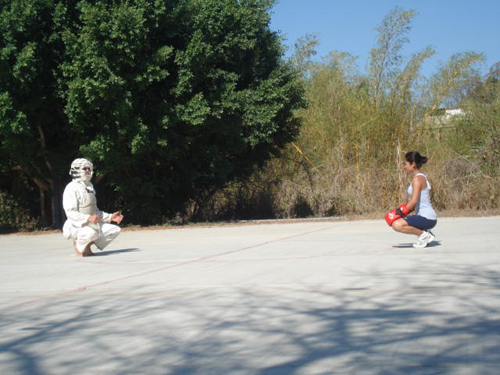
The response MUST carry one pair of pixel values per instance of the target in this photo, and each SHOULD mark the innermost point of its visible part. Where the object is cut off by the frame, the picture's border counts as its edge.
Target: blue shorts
(420, 222)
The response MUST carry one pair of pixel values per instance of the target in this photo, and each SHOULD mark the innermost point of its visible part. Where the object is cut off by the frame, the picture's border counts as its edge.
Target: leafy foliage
(169, 99)
(13, 216)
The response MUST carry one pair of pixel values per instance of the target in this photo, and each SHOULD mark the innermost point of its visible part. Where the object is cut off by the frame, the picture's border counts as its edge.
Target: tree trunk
(57, 209)
(45, 212)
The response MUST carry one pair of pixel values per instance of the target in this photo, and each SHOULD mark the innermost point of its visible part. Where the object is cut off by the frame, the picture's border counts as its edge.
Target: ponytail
(415, 157)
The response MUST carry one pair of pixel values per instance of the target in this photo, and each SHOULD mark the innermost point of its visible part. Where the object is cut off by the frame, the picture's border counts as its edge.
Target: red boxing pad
(391, 217)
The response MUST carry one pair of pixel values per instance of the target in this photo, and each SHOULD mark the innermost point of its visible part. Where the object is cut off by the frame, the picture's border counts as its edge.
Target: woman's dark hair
(415, 157)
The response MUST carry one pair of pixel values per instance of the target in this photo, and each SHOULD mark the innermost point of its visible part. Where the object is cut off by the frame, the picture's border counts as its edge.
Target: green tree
(32, 122)
(169, 99)
(386, 57)
(304, 50)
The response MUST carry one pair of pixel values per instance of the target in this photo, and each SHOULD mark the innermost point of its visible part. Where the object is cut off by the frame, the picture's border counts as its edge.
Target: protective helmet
(77, 169)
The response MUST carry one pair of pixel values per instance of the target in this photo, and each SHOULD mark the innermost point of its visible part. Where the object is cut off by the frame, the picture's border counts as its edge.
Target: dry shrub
(349, 156)
(339, 189)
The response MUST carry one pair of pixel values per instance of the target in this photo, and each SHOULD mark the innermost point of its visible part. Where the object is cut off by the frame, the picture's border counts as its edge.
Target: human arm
(104, 216)
(404, 209)
(108, 218)
(416, 184)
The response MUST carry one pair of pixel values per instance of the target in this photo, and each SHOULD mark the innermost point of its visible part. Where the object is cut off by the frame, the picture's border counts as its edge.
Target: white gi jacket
(79, 204)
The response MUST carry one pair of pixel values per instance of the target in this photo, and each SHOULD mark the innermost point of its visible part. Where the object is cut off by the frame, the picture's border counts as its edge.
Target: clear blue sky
(449, 26)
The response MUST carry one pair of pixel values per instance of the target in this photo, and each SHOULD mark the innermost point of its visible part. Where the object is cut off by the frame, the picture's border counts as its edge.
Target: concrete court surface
(335, 297)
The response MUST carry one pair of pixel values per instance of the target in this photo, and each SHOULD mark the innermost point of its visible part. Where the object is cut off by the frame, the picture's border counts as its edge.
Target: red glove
(403, 210)
(391, 217)
(396, 214)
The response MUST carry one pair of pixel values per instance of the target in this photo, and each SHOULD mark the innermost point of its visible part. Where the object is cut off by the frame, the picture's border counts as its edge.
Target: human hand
(117, 217)
(93, 219)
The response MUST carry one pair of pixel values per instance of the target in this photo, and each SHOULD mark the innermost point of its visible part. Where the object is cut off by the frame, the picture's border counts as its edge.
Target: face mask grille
(77, 169)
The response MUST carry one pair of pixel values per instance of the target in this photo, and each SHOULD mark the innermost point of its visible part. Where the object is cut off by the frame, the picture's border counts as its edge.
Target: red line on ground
(160, 269)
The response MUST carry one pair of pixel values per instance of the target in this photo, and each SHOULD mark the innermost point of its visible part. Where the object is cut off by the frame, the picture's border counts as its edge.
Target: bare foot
(88, 252)
(77, 253)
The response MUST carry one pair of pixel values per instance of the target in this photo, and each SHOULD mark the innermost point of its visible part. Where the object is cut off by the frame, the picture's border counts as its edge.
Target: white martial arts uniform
(79, 203)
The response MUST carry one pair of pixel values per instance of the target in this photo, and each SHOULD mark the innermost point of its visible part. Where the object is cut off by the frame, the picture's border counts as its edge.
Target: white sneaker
(424, 239)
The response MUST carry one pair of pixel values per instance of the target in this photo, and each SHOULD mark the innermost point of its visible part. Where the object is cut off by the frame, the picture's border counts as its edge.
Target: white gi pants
(85, 235)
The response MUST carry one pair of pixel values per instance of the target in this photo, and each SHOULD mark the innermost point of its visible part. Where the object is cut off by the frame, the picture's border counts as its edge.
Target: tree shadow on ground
(244, 331)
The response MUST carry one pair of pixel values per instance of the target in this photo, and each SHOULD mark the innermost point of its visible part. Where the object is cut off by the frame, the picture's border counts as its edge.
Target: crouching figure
(86, 225)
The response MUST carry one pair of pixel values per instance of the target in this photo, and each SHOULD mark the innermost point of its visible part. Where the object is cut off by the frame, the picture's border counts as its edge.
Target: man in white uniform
(86, 224)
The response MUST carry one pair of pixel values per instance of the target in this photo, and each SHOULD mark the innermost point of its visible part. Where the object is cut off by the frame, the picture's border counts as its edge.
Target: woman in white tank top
(425, 217)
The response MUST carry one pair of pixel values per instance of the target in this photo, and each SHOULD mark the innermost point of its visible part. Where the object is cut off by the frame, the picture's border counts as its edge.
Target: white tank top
(424, 207)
